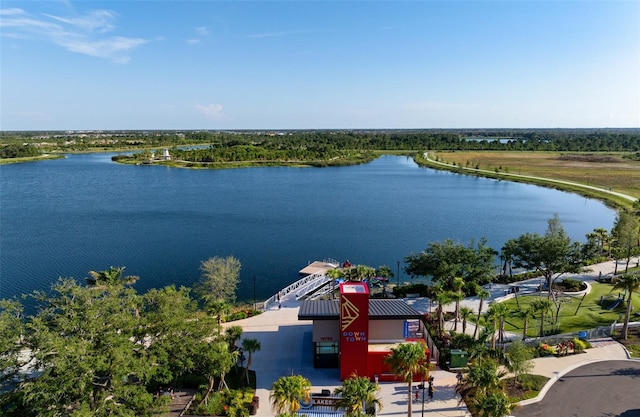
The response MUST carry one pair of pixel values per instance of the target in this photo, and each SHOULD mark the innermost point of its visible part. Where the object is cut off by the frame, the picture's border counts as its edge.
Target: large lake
(62, 218)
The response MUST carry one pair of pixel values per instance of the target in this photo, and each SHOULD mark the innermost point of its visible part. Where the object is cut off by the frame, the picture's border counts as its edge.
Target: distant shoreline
(613, 199)
(44, 157)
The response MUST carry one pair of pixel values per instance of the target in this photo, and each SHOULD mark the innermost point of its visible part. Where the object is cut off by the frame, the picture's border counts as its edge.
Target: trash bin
(253, 407)
(458, 358)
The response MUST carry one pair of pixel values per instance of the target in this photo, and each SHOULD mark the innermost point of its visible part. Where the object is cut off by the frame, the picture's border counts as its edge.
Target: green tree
(443, 298)
(552, 255)
(497, 313)
(287, 392)
(519, 360)
(493, 404)
(465, 314)
(445, 261)
(233, 334)
(525, 314)
(110, 277)
(481, 378)
(216, 360)
(457, 295)
(482, 294)
(541, 306)
(334, 274)
(175, 340)
(625, 238)
(250, 346)
(83, 342)
(629, 283)
(220, 277)
(11, 332)
(406, 361)
(356, 393)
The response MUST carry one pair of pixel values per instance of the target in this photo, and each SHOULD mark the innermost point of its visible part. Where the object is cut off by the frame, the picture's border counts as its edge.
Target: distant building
(165, 155)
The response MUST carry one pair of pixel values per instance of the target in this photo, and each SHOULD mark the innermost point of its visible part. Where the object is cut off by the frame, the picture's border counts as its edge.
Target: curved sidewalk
(555, 367)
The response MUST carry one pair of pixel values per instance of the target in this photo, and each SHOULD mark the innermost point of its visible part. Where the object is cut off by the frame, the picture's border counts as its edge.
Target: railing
(589, 334)
(433, 349)
(298, 289)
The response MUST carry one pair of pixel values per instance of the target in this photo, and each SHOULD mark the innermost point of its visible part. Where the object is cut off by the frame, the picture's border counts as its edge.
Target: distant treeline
(15, 150)
(326, 142)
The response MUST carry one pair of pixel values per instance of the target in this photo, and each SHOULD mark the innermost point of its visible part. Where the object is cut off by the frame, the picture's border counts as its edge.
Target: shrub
(579, 345)
(572, 285)
(545, 350)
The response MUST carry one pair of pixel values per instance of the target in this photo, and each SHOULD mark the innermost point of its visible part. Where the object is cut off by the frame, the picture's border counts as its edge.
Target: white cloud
(202, 31)
(193, 41)
(211, 111)
(97, 20)
(80, 34)
(11, 12)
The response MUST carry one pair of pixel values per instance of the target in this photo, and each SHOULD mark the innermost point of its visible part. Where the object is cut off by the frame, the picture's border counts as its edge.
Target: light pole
(254, 291)
(422, 387)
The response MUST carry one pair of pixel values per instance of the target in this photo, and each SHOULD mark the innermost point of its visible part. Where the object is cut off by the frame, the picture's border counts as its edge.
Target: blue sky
(72, 65)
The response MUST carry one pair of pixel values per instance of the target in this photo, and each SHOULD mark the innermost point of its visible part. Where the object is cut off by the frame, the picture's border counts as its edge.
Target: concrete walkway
(286, 347)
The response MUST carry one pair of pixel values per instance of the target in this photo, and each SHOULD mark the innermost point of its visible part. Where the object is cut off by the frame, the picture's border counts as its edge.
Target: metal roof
(379, 309)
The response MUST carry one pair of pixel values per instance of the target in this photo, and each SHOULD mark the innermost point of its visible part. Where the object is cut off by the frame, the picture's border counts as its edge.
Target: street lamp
(254, 291)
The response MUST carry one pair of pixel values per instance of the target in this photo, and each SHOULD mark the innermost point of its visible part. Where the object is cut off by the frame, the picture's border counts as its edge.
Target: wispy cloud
(275, 34)
(201, 32)
(211, 111)
(83, 34)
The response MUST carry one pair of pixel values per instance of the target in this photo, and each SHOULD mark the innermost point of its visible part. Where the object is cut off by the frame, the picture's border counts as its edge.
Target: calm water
(61, 218)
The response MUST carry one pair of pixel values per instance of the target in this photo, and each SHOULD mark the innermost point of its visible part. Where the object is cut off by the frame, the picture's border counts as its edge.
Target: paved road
(608, 388)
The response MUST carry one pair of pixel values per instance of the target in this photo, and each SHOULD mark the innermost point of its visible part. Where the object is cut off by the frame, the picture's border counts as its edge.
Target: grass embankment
(592, 312)
(5, 161)
(607, 171)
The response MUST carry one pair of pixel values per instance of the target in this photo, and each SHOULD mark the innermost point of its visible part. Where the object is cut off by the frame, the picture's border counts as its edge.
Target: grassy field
(591, 313)
(5, 161)
(605, 170)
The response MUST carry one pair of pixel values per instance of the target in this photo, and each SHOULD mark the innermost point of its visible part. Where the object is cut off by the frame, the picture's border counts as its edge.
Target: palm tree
(334, 274)
(629, 283)
(406, 361)
(110, 277)
(465, 315)
(287, 392)
(491, 319)
(541, 305)
(355, 394)
(482, 295)
(501, 310)
(233, 333)
(457, 296)
(443, 298)
(525, 315)
(250, 345)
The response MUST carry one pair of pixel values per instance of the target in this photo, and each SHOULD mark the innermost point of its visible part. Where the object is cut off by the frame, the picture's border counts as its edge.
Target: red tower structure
(354, 329)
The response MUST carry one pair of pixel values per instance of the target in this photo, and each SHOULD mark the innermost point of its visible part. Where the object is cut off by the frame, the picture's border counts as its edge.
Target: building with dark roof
(357, 333)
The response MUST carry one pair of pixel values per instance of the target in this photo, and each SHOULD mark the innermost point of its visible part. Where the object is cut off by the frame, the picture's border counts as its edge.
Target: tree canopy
(444, 261)
(552, 254)
(103, 350)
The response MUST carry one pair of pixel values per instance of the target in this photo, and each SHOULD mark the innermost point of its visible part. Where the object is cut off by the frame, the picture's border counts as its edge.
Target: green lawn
(591, 314)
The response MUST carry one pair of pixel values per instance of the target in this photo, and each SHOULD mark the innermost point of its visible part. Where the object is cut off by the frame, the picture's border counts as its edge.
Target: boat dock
(314, 277)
